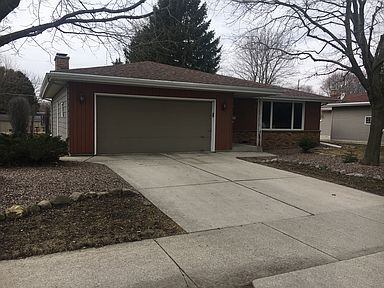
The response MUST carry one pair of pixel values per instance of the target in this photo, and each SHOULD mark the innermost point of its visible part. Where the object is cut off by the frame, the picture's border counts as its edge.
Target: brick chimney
(61, 62)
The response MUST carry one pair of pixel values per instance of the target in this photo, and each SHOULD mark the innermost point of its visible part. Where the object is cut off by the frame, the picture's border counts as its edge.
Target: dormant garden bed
(109, 210)
(327, 164)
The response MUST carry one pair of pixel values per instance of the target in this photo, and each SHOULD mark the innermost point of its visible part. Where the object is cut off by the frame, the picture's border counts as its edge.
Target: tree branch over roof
(77, 16)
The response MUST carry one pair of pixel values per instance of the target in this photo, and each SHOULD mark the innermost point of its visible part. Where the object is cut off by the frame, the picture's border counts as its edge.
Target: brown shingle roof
(293, 92)
(358, 97)
(156, 71)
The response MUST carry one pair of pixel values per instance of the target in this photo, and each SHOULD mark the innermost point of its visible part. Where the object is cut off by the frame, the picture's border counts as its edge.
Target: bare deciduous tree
(101, 19)
(345, 35)
(306, 88)
(340, 82)
(259, 56)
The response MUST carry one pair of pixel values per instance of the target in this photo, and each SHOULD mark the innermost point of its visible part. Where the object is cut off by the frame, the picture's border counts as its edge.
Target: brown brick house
(151, 107)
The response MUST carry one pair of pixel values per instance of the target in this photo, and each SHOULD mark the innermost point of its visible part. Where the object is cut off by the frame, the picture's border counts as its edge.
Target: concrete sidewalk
(228, 257)
(360, 272)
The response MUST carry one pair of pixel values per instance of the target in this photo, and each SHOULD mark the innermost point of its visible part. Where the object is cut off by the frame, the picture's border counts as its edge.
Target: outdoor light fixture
(224, 106)
(82, 99)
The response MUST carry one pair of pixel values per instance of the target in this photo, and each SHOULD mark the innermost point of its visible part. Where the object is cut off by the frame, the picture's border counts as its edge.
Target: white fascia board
(349, 104)
(295, 98)
(66, 77)
(44, 86)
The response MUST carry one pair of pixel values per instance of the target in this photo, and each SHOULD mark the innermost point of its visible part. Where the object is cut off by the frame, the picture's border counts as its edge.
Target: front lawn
(97, 220)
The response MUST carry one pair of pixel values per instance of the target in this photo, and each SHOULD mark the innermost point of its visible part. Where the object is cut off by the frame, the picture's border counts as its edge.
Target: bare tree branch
(72, 13)
(260, 57)
(340, 33)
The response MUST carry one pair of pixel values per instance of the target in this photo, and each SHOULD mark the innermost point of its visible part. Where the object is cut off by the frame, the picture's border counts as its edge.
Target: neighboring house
(5, 125)
(348, 120)
(38, 123)
(151, 107)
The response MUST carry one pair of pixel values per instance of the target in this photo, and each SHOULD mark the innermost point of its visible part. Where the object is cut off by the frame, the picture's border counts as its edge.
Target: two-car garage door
(133, 124)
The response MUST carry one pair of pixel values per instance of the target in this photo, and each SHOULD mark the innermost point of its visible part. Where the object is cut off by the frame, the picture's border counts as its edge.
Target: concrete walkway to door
(248, 224)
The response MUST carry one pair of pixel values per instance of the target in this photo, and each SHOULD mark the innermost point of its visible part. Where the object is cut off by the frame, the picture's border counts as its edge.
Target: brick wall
(286, 139)
(244, 137)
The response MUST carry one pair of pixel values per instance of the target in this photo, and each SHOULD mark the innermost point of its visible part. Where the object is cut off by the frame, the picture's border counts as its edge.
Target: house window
(266, 115)
(282, 115)
(367, 120)
(62, 109)
(58, 110)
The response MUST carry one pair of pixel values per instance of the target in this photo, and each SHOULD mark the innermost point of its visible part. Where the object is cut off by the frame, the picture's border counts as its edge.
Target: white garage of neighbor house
(348, 121)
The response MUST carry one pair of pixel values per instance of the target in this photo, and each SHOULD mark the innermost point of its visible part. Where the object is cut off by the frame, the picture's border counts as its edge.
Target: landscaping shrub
(19, 112)
(307, 144)
(26, 149)
(350, 157)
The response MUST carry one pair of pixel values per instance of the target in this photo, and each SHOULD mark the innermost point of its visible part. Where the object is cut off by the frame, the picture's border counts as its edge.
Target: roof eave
(346, 104)
(63, 77)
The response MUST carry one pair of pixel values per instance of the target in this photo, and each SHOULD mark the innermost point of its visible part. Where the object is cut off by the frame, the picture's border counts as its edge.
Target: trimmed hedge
(38, 149)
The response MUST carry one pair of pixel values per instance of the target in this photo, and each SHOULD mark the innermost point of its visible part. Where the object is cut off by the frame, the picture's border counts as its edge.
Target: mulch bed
(323, 173)
(91, 222)
(26, 185)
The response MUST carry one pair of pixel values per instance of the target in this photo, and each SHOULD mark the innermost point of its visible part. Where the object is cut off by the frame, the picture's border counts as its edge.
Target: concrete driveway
(202, 191)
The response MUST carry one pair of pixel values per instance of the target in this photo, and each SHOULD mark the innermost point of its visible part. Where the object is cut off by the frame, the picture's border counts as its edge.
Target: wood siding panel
(312, 116)
(245, 113)
(81, 120)
(81, 134)
(62, 124)
(224, 122)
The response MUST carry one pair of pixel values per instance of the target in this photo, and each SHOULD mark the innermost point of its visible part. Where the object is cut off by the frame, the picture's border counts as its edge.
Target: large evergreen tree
(177, 34)
(15, 84)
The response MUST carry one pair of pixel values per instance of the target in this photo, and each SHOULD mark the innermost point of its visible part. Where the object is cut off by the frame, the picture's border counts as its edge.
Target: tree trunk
(376, 97)
(372, 151)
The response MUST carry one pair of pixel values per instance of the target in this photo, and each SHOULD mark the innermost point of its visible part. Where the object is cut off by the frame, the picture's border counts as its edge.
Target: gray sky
(34, 60)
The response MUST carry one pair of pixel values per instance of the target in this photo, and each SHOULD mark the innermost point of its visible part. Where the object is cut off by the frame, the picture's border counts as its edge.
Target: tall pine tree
(177, 34)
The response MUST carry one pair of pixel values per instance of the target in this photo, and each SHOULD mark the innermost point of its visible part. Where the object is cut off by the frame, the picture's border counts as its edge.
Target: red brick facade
(286, 139)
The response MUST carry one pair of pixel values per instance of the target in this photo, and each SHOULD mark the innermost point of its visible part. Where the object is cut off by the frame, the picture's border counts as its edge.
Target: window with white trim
(62, 109)
(367, 120)
(283, 115)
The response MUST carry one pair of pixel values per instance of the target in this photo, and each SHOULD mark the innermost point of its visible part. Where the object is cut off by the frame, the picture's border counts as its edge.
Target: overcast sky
(34, 60)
